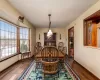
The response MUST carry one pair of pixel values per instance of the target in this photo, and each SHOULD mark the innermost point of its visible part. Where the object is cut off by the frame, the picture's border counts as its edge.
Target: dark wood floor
(81, 71)
(13, 72)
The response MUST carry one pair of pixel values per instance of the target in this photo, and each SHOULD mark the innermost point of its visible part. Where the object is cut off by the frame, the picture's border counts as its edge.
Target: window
(8, 39)
(24, 39)
(11, 38)
(92, 30)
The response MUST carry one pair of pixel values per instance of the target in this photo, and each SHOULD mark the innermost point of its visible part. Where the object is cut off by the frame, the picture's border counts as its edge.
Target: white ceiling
(63, 11)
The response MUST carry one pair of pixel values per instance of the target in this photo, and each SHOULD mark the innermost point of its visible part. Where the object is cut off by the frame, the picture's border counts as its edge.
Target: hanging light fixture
(49, 34)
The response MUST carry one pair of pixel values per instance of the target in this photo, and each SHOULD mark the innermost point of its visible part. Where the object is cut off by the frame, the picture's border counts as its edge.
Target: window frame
(26, 39)
(93, 17)
(17, 38)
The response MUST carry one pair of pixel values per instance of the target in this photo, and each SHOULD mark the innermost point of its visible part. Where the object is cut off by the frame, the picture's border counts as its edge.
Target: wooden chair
(64, 50)
(37, 48)
(49, 53)
(38, 64)
(50, 67)
(60, 46)
(50, 60)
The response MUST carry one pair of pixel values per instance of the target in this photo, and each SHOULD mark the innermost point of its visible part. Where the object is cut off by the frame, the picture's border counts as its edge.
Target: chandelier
(49, 34)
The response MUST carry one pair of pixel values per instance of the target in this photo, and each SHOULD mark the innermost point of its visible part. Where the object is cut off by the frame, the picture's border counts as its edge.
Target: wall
(58, 31)
(89, 57)
(11, 14)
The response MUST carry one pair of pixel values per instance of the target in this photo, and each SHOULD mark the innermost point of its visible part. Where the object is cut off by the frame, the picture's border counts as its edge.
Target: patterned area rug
(64, 73)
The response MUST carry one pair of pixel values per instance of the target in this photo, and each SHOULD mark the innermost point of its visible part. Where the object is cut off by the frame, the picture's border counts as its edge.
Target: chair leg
(58, 74)
(44, 76)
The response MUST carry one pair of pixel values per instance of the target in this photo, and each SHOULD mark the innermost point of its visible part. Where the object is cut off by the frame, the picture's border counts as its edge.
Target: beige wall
(58, 31)
(11, 14)
(89, 57)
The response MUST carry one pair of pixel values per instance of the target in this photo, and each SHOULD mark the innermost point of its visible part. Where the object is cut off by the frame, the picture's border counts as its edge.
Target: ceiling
(63, 11)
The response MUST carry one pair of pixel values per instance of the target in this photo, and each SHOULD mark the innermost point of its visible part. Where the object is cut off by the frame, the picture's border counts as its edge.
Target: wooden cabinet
(71, 53)
(71, 42)
(91, 30)
(50, 41)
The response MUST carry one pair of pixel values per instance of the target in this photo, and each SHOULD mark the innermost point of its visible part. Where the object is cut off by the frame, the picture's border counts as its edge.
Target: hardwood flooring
(13, 72)
(81, 71)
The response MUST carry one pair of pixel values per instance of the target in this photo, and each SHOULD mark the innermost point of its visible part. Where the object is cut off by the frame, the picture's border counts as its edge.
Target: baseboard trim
(87, 71)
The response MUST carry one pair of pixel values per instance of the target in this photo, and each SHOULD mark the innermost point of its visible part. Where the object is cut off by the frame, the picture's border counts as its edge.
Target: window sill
(25, 52)
(92, 47)
(8, 57)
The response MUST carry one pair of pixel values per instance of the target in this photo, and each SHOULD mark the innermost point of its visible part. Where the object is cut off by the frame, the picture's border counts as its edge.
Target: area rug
(65, 73)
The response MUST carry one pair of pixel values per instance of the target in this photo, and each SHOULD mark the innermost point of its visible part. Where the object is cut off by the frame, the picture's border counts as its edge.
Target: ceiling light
(49, 34)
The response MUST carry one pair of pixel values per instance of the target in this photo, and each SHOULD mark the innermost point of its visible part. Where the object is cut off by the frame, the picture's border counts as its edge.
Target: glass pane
(26, 31)
(3, 44)
(21, 30)
(5, 52)
(13, 50)
(6, 35)
(9, 35)
(6, 26)
(26, 37)
(10, 50)
(24, 47)
(21, 36)
(10, 43)
(2, 55)
(10, 28)
(7, 38)
(13, 29)
(2, 34)
(2, 25)
(13, 36)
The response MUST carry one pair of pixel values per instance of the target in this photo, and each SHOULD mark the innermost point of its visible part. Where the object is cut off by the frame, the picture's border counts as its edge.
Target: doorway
(71, 42)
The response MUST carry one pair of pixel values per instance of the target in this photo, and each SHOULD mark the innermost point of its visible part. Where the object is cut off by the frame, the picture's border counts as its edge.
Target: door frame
(69, 41)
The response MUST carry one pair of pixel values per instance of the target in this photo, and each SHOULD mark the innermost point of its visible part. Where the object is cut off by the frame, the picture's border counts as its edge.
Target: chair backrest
(60, 46)
(50, 60)
(49, 53)
(50, 67)
(65, 50)
(38, 44)
(37, 47)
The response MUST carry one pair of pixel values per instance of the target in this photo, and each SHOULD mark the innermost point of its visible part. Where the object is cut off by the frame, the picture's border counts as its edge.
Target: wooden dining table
(61, 56)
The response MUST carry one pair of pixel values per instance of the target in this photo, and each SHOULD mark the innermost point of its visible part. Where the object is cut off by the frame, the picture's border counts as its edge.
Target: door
(71, 42)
